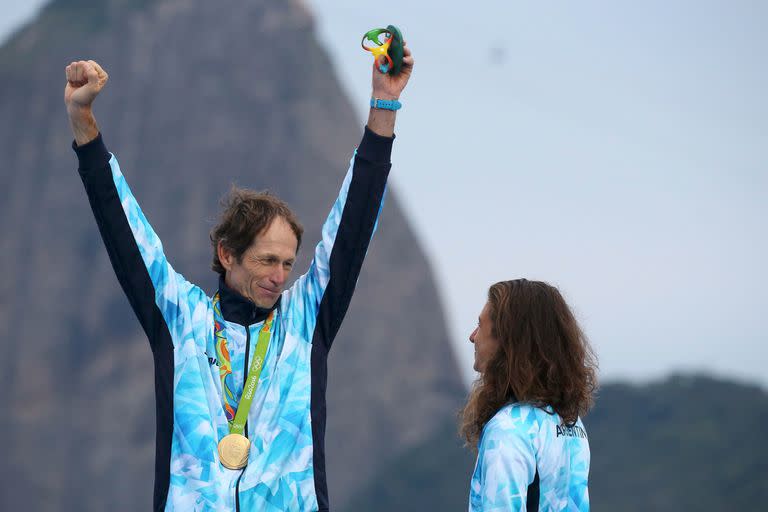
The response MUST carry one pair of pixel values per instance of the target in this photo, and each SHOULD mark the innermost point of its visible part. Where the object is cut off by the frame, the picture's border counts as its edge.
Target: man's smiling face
(262, 271)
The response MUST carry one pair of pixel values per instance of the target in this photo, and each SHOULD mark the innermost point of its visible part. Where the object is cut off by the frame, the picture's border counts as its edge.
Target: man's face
(261, 273)
(485, 344)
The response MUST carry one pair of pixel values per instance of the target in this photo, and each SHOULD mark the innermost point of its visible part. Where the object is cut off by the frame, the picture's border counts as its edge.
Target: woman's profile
(537, 377)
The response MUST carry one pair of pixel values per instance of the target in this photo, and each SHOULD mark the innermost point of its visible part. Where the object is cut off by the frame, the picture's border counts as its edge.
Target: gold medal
(233, 451)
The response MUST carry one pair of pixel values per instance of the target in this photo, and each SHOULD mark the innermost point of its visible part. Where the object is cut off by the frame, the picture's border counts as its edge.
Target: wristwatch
(385, 104)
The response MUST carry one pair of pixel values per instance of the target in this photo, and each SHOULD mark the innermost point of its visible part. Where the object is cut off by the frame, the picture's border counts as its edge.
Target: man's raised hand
(388, 87)
(85, 79)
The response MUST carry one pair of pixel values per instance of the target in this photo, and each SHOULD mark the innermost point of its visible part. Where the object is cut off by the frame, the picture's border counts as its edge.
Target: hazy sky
(618, 150)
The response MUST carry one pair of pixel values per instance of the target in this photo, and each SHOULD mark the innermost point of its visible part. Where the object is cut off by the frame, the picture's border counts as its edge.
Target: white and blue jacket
(528, 460)
(286, 423)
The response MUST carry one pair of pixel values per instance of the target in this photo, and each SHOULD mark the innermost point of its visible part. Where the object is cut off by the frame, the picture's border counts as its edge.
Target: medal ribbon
(237, 419)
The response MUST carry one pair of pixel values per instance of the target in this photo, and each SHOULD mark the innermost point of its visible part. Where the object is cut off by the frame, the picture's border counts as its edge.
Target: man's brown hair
(543, 358)
(246, 214)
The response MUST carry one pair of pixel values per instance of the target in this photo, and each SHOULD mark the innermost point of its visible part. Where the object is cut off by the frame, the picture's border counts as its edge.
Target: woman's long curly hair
(543, 358)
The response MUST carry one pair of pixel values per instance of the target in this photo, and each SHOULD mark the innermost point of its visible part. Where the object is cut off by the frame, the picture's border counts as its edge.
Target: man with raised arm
(240, 377)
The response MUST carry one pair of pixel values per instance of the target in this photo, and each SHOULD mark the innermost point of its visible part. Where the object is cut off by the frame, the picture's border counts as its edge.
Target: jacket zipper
(245, 431)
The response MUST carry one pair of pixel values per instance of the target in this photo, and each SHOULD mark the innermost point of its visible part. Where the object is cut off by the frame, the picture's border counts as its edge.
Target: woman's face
(485, 344)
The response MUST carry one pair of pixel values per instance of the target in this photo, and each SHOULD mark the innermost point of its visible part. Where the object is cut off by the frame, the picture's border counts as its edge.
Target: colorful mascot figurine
(391, 48)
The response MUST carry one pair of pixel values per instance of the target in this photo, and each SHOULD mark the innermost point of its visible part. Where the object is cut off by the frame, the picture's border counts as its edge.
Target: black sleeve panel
(358, 219)
(96, 173)
(118, 238)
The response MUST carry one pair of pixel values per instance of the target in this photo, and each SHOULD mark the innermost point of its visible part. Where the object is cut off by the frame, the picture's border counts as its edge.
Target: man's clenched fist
(84, 81)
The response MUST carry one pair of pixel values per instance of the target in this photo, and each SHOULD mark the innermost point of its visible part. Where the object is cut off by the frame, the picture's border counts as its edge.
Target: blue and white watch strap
(385, 104)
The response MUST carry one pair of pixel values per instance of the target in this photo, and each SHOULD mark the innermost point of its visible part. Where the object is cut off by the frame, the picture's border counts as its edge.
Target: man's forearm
(382, 122)
(83, 125)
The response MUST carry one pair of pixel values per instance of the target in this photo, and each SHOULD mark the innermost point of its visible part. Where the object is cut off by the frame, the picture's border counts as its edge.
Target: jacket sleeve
(152, 286)
(506, 466)
(320, 298)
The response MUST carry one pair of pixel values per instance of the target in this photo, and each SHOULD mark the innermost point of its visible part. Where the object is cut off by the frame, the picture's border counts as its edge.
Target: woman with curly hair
(537, 376)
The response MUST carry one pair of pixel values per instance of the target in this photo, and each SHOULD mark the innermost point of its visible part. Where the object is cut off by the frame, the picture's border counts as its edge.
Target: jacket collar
(236, 308)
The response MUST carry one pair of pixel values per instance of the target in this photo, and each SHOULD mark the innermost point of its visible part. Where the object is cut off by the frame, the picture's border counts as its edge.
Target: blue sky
(617, 150)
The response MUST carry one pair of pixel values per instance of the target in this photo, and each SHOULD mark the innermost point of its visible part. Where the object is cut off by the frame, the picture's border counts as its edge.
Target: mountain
(685, 443)
(201, 94)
